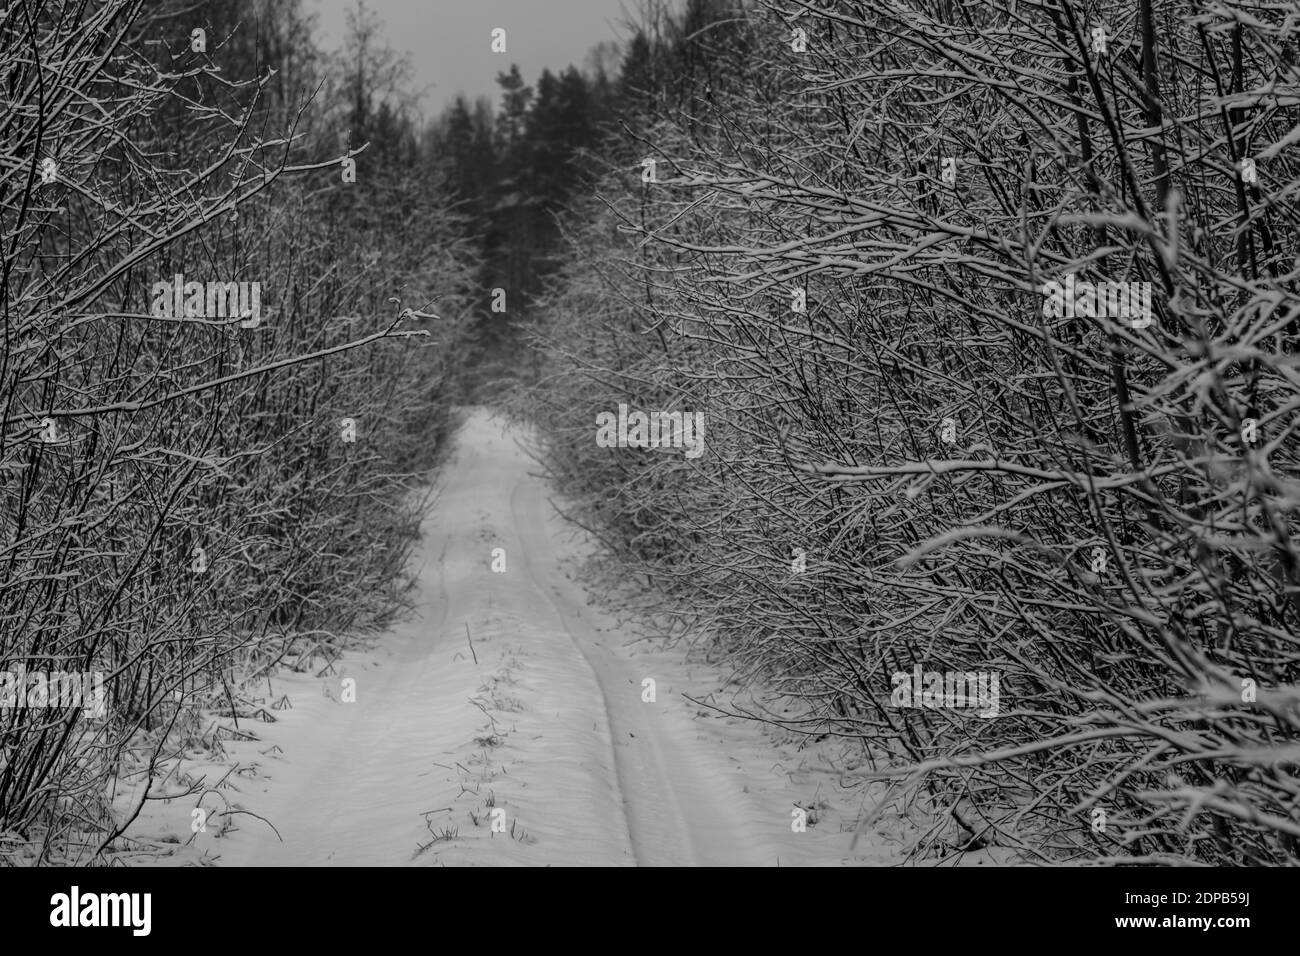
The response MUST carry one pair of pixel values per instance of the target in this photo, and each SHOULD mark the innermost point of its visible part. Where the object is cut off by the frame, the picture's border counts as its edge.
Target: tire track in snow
(676, 812)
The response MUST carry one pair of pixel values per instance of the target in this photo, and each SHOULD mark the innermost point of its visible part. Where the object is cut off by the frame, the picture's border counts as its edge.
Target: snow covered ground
(505, 724)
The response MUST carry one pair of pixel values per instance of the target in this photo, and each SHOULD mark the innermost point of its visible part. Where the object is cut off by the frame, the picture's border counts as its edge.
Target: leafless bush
(1100, 512)
(178, 487)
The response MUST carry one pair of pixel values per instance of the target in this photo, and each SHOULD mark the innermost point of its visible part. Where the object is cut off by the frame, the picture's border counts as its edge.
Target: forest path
(533, 746)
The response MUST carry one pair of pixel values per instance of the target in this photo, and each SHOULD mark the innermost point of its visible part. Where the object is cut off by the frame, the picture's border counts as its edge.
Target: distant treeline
(518, 165)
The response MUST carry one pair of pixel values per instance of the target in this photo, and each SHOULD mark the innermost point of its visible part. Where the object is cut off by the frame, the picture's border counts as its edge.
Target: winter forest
(803, 432)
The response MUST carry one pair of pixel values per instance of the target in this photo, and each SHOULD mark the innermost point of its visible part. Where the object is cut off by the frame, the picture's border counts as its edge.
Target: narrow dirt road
(509, 724)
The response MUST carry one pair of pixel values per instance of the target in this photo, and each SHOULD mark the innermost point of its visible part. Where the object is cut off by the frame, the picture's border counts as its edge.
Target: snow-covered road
(531, 746)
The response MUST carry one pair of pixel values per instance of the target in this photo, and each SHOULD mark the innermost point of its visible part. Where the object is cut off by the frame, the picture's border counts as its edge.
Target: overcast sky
(449, 40)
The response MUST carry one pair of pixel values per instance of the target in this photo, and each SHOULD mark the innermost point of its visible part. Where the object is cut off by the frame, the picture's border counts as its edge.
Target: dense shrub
(1097, 510)
(180, 492)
